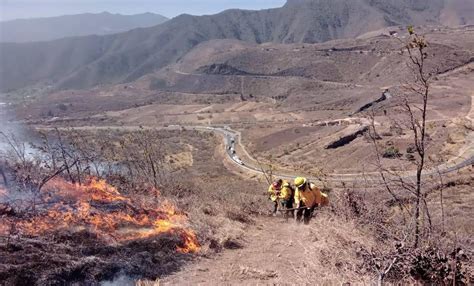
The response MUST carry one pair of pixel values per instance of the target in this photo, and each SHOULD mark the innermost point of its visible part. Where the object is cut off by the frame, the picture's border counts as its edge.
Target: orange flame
(96, 190)
(101, 208)
(190, 244)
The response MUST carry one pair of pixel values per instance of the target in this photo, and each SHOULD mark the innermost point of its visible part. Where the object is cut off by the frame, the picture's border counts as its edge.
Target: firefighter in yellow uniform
(281, 192)
(307, 198)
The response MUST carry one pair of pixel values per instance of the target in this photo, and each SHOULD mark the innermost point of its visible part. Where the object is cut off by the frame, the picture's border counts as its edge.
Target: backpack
(324, 196)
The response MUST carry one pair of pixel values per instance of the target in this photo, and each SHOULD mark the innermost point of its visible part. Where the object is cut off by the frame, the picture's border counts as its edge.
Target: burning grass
(98, 207)
(92, 222)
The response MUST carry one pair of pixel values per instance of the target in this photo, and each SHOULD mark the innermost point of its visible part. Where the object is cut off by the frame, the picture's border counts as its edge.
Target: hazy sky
(13, 9)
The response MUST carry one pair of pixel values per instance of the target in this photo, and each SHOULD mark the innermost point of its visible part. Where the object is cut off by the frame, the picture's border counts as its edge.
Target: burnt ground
(83, 258)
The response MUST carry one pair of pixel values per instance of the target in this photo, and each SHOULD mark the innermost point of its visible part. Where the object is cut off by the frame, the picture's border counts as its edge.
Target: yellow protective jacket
(310, 196)
(284, 194)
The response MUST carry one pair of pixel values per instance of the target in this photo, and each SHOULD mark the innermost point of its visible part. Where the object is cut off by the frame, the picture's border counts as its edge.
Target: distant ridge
(51, 28)
(89, 61)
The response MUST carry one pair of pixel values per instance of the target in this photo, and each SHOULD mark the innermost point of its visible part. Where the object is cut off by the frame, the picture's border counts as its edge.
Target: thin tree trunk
(5, 181)
(78, 170)
(418, 200)
(153, 169)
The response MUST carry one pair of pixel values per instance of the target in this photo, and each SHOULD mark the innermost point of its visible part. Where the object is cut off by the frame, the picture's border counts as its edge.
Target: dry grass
(331, 251)
(147, 283)
(241, 272)
(221, 215)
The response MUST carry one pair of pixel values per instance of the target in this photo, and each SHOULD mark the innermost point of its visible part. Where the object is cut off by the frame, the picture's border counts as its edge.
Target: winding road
(463, 159)
(372, 177)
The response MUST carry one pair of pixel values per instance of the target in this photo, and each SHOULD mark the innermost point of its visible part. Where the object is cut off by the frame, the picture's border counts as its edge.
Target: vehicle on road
(237, 160)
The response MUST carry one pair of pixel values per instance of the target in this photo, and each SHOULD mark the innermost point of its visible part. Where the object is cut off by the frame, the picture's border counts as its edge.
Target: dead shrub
(231, 243)
(238, 216)
(433, 266)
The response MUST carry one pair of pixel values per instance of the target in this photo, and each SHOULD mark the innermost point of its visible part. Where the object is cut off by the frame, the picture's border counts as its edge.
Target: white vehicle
(237, 160)
(232, 150)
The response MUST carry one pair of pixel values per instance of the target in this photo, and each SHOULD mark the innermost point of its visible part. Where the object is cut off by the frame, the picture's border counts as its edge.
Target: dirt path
(276, 252)
(332, 83)
(470, 115)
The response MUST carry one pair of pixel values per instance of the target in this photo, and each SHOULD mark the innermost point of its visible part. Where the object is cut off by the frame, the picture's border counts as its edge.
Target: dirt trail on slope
(276, 252)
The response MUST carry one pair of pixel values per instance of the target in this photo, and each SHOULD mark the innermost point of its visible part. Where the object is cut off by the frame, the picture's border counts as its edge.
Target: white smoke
(121, 280)
(13, 135)
(14, 144)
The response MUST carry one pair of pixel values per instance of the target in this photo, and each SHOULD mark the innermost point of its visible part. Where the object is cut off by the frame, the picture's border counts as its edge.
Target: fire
(191, 245)
(96, 190)
(100, 208)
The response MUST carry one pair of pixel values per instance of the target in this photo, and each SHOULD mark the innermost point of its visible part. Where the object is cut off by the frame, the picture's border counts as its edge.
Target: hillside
(277, 87)
(52, 28)
(89, 61)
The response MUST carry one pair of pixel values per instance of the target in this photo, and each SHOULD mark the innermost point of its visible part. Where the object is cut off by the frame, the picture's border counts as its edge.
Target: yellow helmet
(300, 181)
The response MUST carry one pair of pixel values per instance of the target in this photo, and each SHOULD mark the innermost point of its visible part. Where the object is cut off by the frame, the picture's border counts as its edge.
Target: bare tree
(416, 92)
(17, 146)
(266, 170)
(413, 106)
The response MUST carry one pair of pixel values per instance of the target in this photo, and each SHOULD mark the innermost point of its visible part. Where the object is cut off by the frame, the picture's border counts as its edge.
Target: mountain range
(47, 29)
(83, 62)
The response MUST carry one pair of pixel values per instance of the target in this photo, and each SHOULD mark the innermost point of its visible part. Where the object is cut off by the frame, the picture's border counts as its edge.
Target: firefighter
(281, 192)
(307, 198)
